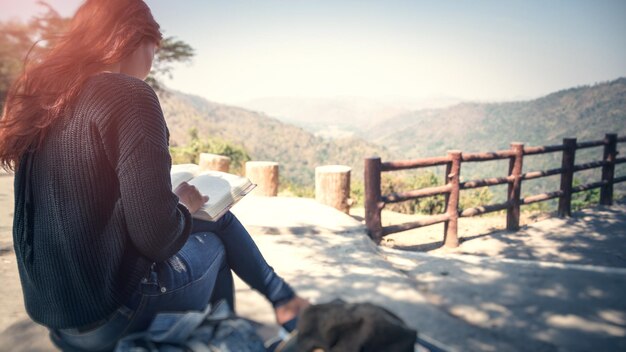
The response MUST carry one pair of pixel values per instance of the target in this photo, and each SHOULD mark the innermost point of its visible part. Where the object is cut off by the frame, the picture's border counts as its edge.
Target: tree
(171, 51)
(21, 39)
(18, 39)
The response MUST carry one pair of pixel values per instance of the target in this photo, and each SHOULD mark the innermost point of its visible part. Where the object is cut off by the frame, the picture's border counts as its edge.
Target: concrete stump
(332, 186)
(265, 175)
(214, 162)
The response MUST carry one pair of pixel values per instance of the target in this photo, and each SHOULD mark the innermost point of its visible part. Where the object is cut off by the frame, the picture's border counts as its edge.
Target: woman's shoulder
(105, 91)
(117, 83)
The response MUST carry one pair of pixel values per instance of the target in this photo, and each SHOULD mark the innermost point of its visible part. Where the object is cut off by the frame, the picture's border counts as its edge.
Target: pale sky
(471, 50)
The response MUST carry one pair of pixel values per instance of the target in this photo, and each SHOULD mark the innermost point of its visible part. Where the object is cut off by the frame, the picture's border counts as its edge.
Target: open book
(223, 189)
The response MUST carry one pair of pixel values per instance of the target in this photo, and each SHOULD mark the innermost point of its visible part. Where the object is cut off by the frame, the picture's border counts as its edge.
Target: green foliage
(539, 207)
(11, 41)
(584, 199)
(395, 184)
(431, 205)
(214, 145)
(171, 51)
(297, 151)
(475, 197)
(357, 192)
(17, 39)
(288, 188)
(587, 112)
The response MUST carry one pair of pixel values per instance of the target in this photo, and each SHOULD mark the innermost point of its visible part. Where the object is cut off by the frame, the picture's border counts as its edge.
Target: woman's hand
(190, 197)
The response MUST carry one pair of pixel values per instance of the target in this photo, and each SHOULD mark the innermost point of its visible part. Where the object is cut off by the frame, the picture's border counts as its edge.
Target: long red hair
(101, 33)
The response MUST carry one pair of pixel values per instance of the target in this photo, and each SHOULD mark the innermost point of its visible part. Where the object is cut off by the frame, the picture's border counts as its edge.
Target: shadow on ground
(549, 308)
(512, 293)
(593, 236)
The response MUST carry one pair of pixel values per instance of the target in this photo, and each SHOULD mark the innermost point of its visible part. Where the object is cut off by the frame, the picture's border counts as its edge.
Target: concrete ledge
(283, 215)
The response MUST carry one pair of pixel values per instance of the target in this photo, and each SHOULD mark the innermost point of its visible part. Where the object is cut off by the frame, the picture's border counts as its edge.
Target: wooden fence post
(265, 175)
(567, 177)
(608, 169)
(450, 236)
(332, 186)
(515, 187)
(215, 162)
(373, 198)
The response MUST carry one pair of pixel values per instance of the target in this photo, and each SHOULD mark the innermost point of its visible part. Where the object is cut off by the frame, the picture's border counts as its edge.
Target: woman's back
(96, 224)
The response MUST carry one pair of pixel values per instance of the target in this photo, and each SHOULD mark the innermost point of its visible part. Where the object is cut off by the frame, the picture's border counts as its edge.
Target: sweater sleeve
(135, 141)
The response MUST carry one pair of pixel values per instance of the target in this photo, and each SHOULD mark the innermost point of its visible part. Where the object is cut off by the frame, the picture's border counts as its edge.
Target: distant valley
(585, 112)
(263, 137)
(395, 131)
(342, 116)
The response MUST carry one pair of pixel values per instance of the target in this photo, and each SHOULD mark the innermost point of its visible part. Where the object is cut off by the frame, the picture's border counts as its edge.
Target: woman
(102, 241)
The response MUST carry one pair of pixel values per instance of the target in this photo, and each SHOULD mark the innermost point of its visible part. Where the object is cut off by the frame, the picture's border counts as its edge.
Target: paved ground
(556, 285)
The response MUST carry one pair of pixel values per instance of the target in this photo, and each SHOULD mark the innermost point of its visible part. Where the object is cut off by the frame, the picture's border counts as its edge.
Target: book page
(223, 189)
(218, 189)
(182, 173)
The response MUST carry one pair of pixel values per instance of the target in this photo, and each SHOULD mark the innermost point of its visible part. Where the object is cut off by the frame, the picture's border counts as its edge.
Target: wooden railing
(375, 201)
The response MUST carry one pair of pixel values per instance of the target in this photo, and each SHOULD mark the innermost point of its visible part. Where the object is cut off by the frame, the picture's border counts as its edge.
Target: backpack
(357, 327)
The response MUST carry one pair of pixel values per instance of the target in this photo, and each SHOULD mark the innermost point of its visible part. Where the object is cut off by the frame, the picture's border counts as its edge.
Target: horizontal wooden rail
(537, 174)
(588, 186)
(416, 194)
(590, 144)
(414, 164)
(375, 201)
(486, 182)
(484, 209)
(431, 220)
(589, 165)
(543, 150)
(502, 154)
(540, 197)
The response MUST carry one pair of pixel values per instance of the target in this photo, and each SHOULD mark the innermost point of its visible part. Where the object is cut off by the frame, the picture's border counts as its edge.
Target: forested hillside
(587, 113)
(584, 112)
(336, 117)
(263, 137)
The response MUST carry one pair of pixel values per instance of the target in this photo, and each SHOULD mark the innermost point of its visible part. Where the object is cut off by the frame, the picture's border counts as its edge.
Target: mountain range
(586, 112)
(341, 116)
(394, 132)
(263, 137)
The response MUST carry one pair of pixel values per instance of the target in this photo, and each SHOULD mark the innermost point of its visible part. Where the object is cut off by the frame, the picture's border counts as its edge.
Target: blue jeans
(198, 274)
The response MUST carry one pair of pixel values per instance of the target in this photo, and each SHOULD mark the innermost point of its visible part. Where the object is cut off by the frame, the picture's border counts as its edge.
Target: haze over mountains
(344, 115)
(584, 112)
(263, 137)
(394, 131)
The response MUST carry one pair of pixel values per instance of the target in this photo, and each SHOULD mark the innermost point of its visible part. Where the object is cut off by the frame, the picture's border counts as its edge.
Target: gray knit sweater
(102, 209)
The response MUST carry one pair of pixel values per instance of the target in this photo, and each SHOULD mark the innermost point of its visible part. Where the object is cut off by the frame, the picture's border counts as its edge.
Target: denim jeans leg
(245, 258)
(224, 287)
(185, 281)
